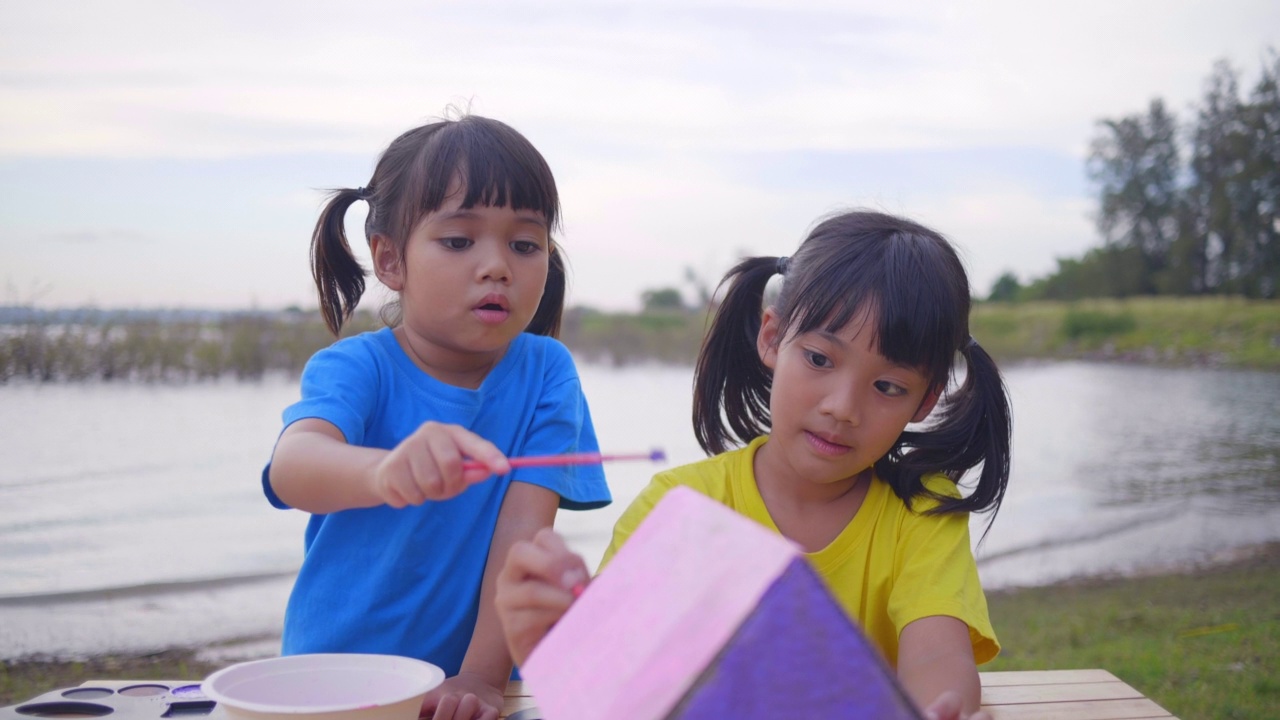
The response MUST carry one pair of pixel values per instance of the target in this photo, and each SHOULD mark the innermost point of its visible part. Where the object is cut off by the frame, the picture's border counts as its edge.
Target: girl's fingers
(539, 596)
(567, 567)
(428, 465)
(481, 450)
(548, 559)
(445, 459)
(945, 707)
(445, 708)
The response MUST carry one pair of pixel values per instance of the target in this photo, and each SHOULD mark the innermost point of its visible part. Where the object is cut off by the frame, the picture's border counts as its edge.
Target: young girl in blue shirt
(805, 402)
(404, 542)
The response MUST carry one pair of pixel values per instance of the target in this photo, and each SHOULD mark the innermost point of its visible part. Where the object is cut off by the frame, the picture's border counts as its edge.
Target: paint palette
(121, 699)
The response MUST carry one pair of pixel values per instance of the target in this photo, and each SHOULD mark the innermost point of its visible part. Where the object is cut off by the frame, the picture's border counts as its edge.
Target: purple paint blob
(188, 691)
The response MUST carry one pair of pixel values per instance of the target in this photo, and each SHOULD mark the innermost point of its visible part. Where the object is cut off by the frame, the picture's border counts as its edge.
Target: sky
(156, 154)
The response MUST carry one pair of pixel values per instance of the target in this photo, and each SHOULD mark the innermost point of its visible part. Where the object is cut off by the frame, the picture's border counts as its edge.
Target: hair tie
(363, 193)
(783, 262)
(971, 344)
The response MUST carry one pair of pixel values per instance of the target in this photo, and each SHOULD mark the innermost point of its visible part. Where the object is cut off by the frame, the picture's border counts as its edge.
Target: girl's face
(837, 405)
(470, 280)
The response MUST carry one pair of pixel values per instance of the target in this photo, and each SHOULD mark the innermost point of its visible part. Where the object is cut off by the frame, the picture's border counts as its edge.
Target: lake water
(131, 516)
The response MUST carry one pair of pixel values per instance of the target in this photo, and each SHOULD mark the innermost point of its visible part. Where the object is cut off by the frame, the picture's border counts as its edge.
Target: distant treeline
(98, 346)
(159, 347)
(1184, 208)
(175, 346)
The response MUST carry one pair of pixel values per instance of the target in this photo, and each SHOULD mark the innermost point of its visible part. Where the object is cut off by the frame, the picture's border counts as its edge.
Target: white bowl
(343, 686)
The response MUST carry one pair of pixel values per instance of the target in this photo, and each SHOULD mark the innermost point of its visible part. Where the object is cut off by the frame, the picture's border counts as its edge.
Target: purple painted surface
(797, 655)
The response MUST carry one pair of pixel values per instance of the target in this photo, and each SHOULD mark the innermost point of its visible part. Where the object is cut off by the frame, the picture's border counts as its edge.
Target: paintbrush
(588, 458)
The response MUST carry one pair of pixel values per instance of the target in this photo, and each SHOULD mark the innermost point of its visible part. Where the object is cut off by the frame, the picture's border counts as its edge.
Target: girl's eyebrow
(830, 337)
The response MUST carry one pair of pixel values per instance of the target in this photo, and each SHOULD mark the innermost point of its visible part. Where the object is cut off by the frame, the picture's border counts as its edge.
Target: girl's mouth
(824, 446)
(492, 310)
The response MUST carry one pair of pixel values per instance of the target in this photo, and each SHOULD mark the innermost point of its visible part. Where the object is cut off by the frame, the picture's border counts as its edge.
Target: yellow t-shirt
(890, 566)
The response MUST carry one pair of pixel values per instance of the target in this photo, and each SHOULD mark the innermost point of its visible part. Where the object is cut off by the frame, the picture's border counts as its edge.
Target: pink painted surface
(643, 630)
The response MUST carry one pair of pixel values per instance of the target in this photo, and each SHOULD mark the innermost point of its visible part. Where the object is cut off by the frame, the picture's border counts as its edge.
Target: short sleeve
(338, 385)
(937, 575)
(562, 424)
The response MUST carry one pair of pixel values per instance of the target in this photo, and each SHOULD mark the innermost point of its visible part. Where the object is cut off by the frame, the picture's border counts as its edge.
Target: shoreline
(25, 677)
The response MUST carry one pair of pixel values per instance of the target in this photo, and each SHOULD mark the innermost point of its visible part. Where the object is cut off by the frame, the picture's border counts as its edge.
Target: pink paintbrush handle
(590, 458)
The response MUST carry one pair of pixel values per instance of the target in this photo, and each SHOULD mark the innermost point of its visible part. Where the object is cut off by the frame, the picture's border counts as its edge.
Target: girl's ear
(387, 263)
(926, 405)
(766, 339)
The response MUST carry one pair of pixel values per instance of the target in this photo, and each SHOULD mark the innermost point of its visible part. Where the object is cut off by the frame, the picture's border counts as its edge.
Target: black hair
(913, 283)
(412, 178)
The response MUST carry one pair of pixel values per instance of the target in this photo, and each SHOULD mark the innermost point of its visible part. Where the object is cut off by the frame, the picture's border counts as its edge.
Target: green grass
(22, 680)
(1216, 331)
(1202, 645)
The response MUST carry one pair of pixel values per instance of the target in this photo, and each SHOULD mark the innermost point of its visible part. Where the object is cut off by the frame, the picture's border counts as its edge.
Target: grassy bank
(1203, 644)
(98, 345)
(1210, 331)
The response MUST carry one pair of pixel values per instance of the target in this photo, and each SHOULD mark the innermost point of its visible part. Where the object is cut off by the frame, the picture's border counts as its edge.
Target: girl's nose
(494, 267)
(840, 403)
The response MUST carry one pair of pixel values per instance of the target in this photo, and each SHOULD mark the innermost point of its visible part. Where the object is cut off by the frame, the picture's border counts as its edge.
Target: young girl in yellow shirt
(816, 391)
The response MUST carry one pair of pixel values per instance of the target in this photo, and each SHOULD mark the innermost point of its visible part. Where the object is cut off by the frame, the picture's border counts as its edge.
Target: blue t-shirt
(407, 582)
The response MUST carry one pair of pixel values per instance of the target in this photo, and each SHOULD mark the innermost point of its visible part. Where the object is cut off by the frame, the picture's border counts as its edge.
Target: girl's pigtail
(974, 427)
(546, 320)
(731, 384)
(339, 276)
(991, 415)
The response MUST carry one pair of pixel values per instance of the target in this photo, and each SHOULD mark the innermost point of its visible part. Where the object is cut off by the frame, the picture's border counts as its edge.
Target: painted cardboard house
(706, 614)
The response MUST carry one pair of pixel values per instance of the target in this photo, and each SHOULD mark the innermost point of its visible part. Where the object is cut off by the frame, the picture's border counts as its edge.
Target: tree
(1262, 168)
(1235, 188)
(1005, 288)
(1217, 140)
(662, 299)
(1134, 161)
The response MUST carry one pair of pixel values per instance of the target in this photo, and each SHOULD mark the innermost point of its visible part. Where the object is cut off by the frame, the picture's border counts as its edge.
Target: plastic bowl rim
(207, 685)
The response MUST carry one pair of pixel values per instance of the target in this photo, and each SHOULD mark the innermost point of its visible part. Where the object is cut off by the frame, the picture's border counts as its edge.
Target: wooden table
(1027, 695)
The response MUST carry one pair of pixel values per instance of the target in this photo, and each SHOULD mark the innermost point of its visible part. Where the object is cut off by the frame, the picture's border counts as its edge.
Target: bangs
(498, 166)
(897, 279)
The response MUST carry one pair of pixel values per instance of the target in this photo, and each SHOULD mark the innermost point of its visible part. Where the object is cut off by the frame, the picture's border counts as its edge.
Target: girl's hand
(538, 583)
(427, 465)
(947, 706)
(463, 697)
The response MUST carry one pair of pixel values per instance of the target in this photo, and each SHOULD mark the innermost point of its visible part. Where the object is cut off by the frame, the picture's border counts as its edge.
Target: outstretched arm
(314, 469)
(935, 665)
(477, 690)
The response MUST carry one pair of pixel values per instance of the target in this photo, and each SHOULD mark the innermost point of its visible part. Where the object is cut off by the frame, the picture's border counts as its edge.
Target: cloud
(682, 132)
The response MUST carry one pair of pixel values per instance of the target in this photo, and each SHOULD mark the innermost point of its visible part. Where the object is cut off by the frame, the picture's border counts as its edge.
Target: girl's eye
(456, 243)
(890, 389)
(525, 247)
(817, 360)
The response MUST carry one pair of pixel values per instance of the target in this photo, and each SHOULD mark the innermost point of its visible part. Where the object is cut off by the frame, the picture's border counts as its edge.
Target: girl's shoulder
(934, 484)
(714, 476)
(550, 357)
(543, 345)
(361, 349)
